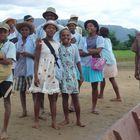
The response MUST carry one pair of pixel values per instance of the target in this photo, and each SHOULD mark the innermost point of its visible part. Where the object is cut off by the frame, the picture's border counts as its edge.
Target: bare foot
(80, 124)
(55, 126)
(3, 136)
(65, 122)
(24, 114)
(95, 112)
(36, 125)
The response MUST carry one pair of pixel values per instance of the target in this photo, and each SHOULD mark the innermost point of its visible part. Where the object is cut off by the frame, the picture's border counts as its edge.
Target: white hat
(10, 19)
(5, 26)
(50, 22)
(50, 10)
(72, 22)
(73, 16)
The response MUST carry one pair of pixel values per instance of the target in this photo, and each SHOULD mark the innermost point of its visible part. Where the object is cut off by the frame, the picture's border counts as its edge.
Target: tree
(113, 39)
(129, 42)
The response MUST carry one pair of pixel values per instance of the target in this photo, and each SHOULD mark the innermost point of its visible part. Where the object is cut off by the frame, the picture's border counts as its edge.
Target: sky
(107, 12)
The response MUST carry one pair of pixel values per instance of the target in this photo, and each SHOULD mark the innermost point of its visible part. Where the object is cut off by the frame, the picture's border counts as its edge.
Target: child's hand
(38, 42)
(36, 81)
(81, 80)
(2, 56)
(91, 51)
(73, 40)
(82, 53)
(24, 54)
(137, 75)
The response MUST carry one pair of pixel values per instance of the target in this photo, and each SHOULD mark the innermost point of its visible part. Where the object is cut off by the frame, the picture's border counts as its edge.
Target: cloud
(119, 12)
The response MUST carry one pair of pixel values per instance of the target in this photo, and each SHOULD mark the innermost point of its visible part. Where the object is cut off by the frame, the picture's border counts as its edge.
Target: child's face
(72, 27)
(50, 16)
(30, 21)
(91, 28)
(65, 37)
(3, 34)
(11, 24)
(50, 30)
(25, 31)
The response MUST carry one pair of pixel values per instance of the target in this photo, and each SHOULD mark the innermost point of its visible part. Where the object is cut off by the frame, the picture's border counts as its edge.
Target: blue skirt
(91, 75)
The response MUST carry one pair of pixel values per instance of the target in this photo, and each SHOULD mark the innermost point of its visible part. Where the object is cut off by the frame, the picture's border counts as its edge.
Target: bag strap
(52, 50)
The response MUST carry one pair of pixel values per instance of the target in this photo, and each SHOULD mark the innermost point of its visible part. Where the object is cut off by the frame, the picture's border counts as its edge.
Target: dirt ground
(96, 125)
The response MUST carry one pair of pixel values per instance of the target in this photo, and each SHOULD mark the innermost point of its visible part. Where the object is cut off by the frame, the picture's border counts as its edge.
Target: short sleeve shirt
(9, 50)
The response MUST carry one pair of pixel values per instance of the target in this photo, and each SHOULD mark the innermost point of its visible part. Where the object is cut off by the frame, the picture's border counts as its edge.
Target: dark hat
(10, 19)
(5, 26)
(28, 17)
(50, 10)
(50, 22)
(25, 24)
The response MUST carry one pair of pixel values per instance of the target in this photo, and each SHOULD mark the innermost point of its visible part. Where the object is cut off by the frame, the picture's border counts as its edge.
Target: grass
(124, 55)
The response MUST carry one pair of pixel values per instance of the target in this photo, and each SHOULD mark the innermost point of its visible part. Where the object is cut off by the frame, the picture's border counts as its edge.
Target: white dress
(46, 71)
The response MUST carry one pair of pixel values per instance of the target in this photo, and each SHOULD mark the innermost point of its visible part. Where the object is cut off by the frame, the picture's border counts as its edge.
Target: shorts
(5, 88)
(22, 83)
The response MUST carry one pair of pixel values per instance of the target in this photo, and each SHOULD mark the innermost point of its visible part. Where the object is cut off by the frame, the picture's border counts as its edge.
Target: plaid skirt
(22, 83)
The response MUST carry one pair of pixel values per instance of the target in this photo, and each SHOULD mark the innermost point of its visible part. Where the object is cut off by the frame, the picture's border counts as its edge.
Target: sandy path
(96, 125)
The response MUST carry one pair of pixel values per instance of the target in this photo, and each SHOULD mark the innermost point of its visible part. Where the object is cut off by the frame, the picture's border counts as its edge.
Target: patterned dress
(46, 71)
(69, 57)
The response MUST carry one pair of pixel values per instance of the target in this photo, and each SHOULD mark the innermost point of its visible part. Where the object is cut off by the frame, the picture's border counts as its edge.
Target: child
(76, 38)
(110, 69)
(25, 62)
(9, 51)
(44, 74)
(93, 45)
(69, 57)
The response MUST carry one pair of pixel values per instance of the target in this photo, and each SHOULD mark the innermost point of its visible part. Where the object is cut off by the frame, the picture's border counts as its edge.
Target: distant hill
(120, 32)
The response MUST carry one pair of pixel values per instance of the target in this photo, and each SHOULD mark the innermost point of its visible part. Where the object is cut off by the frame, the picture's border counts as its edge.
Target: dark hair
(104, 32)
(94, 22)
(63, 30)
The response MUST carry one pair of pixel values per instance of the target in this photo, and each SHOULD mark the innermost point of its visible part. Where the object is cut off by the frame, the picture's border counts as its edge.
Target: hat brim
(10, 19)
(25, 24)
(4, 28)
(29, 18)
(45, 25)
(45, 13)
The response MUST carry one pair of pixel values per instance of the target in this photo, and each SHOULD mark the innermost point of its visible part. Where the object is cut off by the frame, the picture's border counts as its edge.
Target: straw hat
(10, 19)
(28, 17)
(25, 24)
(50, 10)
(50, 22)
(5, 26)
